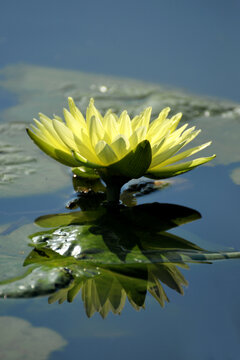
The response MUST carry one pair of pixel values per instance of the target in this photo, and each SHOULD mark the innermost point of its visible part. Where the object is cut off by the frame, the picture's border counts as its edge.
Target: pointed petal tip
(30, 133)
(207, 143)
(71, 103)
(65, 112)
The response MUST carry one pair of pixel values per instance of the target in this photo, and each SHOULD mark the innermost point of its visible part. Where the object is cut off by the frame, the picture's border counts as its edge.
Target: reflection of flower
(110, 256)
(118, 146)
(106, 290)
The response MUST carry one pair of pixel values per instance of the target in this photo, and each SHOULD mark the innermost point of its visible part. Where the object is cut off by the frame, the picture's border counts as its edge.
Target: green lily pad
(22, 340)
(224, 131)
(23, 169)
(43, 89)
(235, 176)
(14, 246)
(116, 254)
(40, 281)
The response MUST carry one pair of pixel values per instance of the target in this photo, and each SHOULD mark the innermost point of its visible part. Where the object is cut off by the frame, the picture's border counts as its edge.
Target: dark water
(191, 45)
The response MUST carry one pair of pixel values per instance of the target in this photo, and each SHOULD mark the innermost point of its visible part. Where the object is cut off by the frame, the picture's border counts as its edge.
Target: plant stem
(114, 184)
(113, 193)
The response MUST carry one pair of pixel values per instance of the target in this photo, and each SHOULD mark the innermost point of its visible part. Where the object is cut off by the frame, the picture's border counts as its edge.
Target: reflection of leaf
(77, 217)
(154, 217)
(158, 217)
(109, 255)
(165, 241)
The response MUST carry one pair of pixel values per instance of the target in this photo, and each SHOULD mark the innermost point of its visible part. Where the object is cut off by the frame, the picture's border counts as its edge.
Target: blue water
(188, 44)
(202, 324)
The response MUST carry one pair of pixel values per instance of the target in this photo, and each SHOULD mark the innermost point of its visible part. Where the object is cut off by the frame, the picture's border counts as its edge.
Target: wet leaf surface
(109, 255)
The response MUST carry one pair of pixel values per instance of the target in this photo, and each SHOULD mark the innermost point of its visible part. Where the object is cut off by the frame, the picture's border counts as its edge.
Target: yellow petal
(84, 137)
(85, 151)
(45, 133)
(51, 134)
(71, 122)
(42, 116)
(110, 126)
(57, 154)
(158, 131)
(185, 154)
(109, 111)
(84, 162)
(160, 119)
(173, 138)
(144, 118)
(65, 134)
(175, 121)
(156, 148)
(58, 118)
(125, 127)
(120, 146)
(38, 132)
(189, 137)
(105, 153)
(174, 170)
(177, 133)
(41, 127)
(96, 130)
(92, 111)
(138, 135)
(76, 113)
(163, 156)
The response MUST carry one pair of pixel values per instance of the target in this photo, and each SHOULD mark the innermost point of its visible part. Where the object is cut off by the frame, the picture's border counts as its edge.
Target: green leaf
(40, 281)
(85, 172)
(135, 163)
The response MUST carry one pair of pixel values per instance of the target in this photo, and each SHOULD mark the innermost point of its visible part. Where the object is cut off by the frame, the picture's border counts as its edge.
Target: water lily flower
(117, 148)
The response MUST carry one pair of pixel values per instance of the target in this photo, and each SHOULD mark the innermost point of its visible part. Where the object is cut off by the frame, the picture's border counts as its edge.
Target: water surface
(202, 323)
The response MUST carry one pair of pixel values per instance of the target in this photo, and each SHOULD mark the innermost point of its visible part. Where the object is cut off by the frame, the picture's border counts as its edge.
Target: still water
(177, 295)
(196, 304)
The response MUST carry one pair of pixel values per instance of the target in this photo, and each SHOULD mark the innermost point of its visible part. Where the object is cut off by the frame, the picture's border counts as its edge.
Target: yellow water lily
(118, 147)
